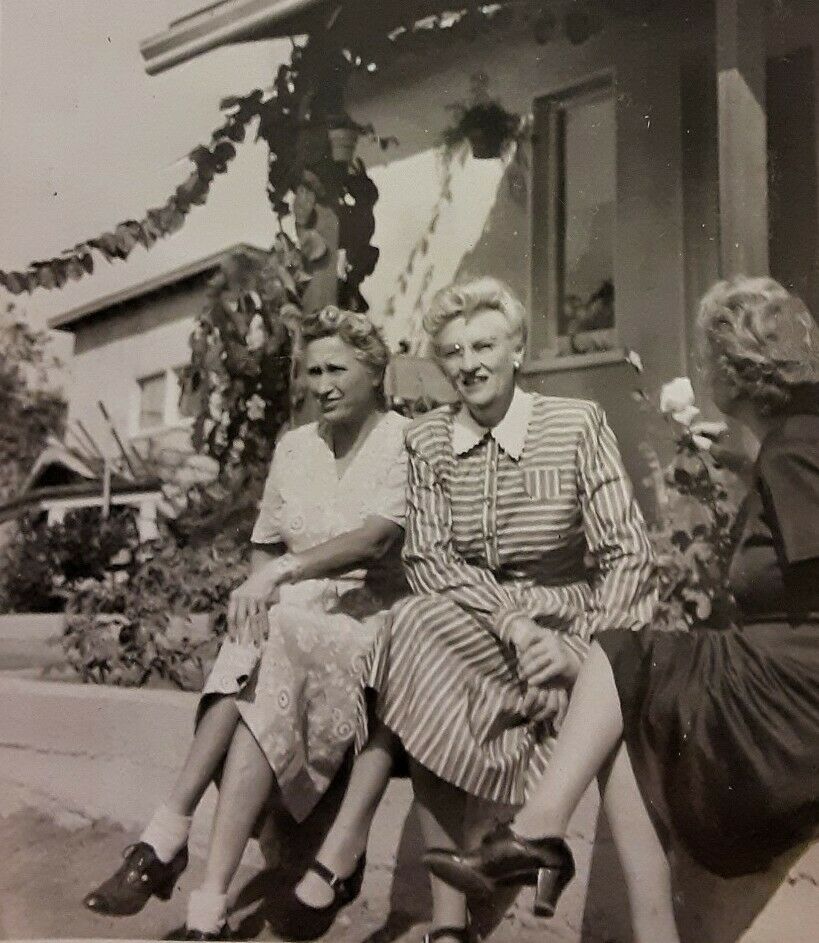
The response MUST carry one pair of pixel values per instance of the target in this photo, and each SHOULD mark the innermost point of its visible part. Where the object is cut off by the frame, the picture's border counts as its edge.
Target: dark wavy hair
(762, 342)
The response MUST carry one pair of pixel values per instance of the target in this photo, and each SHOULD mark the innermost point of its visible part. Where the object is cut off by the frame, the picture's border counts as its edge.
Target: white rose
(677, 400)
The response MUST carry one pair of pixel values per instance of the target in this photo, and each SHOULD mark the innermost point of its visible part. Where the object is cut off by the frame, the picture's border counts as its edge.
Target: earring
(516, 365)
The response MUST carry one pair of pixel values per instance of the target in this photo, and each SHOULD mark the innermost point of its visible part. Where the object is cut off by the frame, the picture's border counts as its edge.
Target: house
(672, 143)
(129, 349)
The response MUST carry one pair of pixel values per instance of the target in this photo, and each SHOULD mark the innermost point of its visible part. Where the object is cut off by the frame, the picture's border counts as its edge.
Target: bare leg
(209, 746)
(347, 839)
(441, 814)
(246, 786)
(590, 733)
(645, 865)
(590, 743)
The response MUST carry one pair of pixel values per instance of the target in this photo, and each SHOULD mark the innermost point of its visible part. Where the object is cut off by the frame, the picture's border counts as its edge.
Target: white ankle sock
(167, 833)
(206, 911)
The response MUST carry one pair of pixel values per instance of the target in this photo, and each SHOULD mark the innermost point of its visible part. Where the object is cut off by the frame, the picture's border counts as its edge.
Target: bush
(117, 627)
(41, 563)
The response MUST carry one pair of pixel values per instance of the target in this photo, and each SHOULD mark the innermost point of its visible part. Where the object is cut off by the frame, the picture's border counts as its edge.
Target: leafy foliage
(30, 411)
(42, 562)
(694, 543)
(293, 119)
(697, 500)
(122, 627)
(239, 375)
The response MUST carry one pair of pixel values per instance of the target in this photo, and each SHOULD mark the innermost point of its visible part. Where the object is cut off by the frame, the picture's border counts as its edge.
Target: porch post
(742, 136)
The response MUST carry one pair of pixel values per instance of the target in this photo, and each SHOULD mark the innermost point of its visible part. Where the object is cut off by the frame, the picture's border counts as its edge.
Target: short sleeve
(267, 529)
(789, 475)
(391, 502)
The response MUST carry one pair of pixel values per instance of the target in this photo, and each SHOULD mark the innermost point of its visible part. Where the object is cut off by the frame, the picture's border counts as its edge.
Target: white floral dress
(298, 695)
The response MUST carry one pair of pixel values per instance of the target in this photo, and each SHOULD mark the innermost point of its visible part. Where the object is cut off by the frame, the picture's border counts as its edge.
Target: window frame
(548, 226)
(171, 419)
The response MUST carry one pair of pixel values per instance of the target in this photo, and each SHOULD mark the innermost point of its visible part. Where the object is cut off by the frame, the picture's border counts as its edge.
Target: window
(152, 401)
(161, 403)
(573, 220)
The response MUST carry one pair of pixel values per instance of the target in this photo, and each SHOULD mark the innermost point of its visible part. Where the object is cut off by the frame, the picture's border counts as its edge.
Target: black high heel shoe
(505, 859)
(141, 876)
(345, 890)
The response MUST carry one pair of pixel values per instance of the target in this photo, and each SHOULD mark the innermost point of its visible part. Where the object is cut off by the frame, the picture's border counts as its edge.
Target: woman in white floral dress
(279, 706)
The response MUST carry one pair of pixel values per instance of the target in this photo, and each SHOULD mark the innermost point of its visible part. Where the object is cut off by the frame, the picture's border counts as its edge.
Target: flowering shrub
(697, 503)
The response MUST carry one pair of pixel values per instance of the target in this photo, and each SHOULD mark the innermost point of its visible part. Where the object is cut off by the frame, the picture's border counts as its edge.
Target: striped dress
(503, 523)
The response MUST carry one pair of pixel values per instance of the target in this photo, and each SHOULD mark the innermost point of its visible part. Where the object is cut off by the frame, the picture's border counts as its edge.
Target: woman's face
(343, 386)
(478, 355)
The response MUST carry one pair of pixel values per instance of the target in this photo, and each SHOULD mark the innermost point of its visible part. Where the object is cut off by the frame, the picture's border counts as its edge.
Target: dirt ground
(50, 860)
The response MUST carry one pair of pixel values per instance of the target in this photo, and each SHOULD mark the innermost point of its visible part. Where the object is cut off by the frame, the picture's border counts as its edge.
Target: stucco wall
(484, 230)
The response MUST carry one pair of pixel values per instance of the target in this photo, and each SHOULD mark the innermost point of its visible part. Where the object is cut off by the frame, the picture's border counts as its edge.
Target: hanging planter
(484, 124)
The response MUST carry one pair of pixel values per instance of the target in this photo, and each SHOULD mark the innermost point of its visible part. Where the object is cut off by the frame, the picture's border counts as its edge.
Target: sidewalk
(82, 767)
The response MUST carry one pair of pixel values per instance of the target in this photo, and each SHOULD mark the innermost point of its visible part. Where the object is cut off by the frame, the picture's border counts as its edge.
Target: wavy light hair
(477, 294)
(356, 330)
(761, 341)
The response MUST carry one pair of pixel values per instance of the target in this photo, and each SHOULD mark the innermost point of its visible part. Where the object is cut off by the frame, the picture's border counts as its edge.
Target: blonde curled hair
(761, 341)
(477, 294)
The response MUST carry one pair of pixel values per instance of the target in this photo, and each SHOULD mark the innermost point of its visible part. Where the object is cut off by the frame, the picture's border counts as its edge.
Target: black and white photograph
(409, 471)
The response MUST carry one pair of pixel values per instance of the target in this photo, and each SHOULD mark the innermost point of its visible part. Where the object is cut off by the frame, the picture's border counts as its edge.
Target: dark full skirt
(723, 732)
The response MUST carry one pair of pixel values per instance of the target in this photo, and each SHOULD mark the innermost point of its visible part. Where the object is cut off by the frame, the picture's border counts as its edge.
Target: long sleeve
(625, 588)
(432, 565)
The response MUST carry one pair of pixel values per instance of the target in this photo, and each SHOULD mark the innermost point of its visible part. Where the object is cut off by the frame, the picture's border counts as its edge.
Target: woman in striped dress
(507, 494)
(718, 728)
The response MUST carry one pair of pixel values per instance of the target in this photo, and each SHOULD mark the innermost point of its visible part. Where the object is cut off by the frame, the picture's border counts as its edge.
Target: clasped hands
(547, 666)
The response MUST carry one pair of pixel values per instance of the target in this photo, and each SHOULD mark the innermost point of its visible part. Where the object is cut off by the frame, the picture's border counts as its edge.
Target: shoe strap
(329, 877)
(459, 933)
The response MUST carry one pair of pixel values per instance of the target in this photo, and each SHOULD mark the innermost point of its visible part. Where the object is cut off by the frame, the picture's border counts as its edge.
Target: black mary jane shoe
(222, 934)
(504, 859)
(345, 890)
(141, 876)
(461, 934)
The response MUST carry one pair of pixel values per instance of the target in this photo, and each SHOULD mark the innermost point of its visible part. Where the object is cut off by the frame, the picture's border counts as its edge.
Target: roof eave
(225, 23)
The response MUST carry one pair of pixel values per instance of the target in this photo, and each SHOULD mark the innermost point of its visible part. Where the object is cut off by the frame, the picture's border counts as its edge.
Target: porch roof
(226, 22)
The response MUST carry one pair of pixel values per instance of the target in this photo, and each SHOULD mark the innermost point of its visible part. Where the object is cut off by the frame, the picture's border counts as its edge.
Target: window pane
(588, 233)
(152, 401)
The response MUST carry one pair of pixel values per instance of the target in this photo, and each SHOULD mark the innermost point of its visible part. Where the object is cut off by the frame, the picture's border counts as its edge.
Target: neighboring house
(62, 481)
(129, 349)
(647, 176)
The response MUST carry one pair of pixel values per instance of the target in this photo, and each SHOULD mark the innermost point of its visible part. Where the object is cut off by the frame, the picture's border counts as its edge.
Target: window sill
(552, 363)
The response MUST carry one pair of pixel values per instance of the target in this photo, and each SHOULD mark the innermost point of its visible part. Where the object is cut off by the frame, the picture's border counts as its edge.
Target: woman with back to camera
(506, 493)
(279, 706)
(721, 728)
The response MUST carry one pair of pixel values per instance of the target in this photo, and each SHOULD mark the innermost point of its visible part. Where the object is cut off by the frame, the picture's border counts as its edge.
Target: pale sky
(89, 139)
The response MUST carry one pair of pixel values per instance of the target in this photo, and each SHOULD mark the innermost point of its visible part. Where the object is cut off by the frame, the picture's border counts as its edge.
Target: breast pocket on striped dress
(542, 483)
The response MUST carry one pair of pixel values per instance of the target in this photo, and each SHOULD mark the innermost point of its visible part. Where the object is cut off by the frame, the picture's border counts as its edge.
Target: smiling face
(478, 354)
(344, 387)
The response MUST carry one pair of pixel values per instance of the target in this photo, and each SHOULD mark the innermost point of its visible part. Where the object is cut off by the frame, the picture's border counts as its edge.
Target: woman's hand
(247, 609)
(546, 706)
(543, 657)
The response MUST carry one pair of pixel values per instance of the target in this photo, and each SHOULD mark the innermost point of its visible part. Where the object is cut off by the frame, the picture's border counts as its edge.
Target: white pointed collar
(509, 433)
